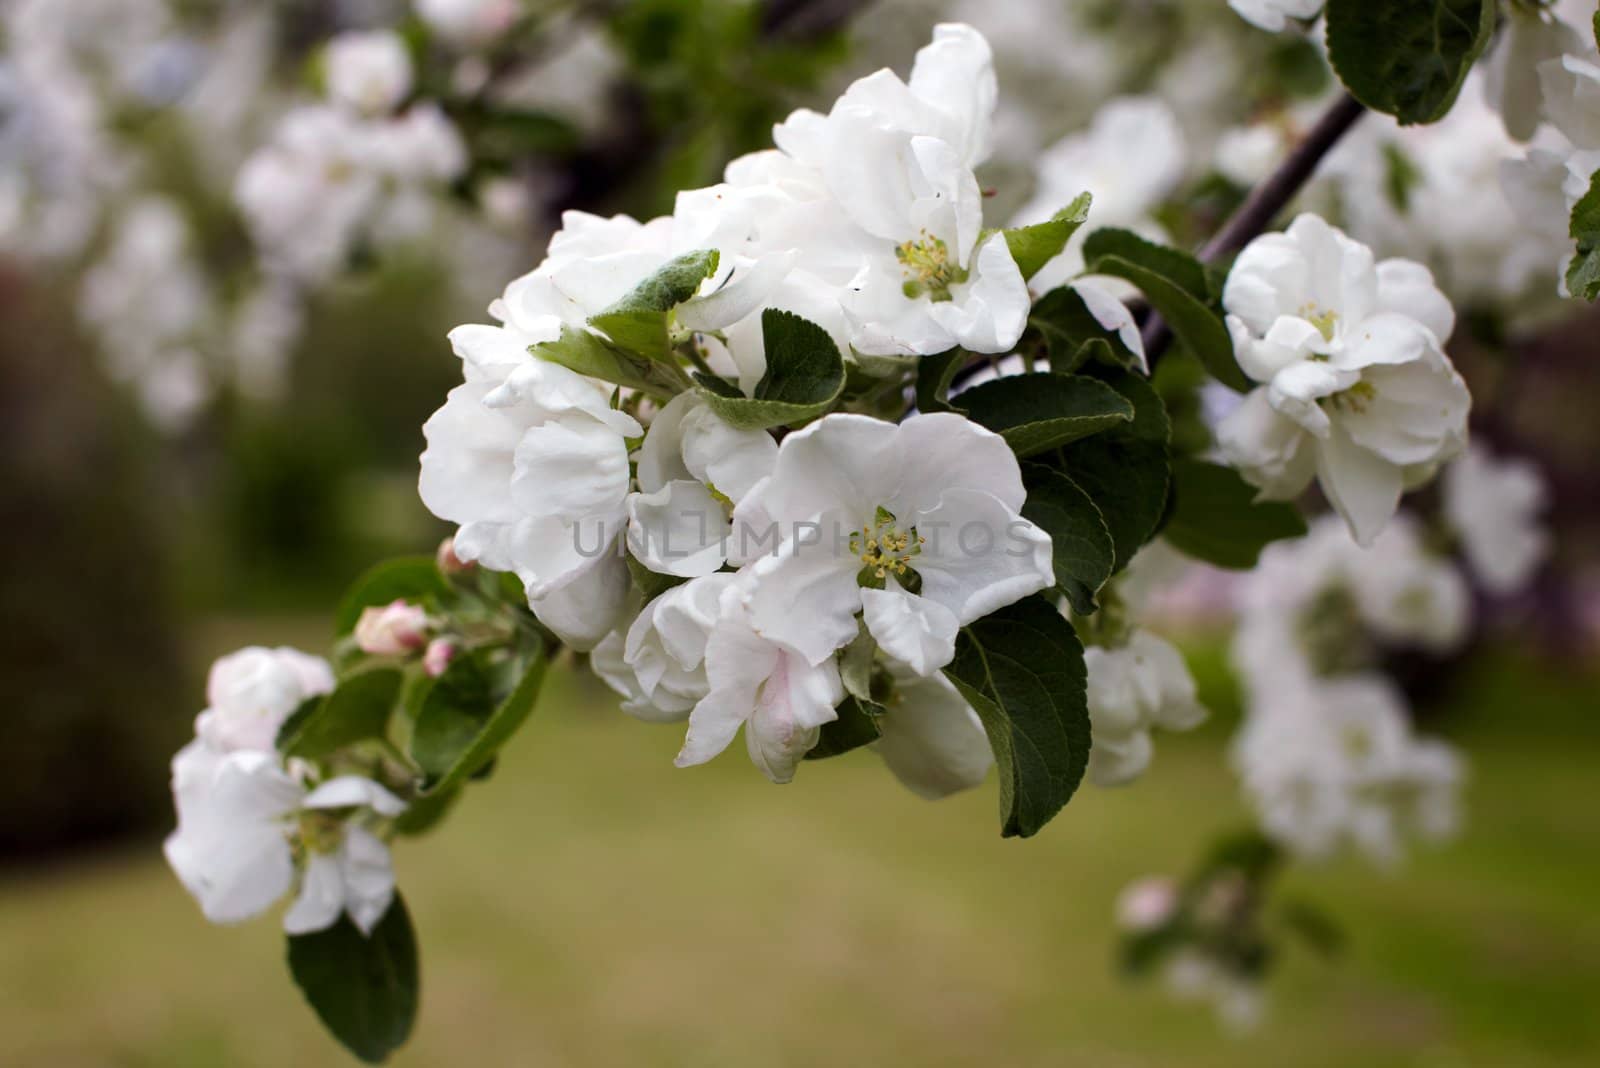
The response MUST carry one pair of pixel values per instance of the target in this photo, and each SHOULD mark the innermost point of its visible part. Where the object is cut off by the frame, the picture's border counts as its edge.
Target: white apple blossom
(368, 72)
(1493, 506)
(936, 497)
(242, 821)
(897, 158)
(1314, 605)
(469, 23)
(692, 470)
(1357, 388)
(149, 304)
(764, 686)
(1195, 976)
(658, 662)
(1274, 15)
(530, 458)
(1334, 763)
(251, 692)
(931, 738)
(1133, 688)
(1529, 38)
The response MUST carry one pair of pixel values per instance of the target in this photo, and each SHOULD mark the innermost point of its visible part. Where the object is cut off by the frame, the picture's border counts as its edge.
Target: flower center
(1324, 321)
(320, 832)
(883, 548)
(1355, 399)
(928, 268)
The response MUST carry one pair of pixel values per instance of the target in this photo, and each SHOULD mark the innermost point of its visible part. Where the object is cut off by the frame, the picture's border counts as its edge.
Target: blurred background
(203, 440)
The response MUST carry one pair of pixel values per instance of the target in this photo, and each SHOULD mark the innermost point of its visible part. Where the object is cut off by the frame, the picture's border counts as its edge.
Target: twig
(1266, 201)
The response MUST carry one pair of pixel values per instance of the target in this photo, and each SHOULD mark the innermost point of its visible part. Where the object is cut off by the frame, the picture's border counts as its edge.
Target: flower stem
(1266, 201)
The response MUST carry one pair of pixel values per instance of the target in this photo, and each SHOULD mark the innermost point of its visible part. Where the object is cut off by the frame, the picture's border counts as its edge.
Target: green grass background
(592, 905)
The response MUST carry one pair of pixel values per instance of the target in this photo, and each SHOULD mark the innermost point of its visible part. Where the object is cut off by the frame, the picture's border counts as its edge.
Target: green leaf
(934, 374)
(1081, 545)
(365, 989)
(804, 376)
(1583, 276)
(411, 578)
(1042, 411)
(357, 709)
(589, 354)
(1175, 285)
(1034, 246)
(1073, 336)
(639, 322)
(1216, 518)
(460, 727)
(856, 726)
(1022, 671)
(425, 813)
(1125, 470)
(1408, 58)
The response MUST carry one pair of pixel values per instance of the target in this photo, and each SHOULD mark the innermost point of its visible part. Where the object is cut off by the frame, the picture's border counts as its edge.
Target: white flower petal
(914, 630)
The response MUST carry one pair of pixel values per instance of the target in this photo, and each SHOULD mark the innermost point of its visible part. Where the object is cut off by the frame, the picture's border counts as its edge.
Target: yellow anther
(928, 267)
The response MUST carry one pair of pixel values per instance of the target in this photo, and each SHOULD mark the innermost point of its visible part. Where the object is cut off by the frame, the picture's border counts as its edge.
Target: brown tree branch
(1266, 201)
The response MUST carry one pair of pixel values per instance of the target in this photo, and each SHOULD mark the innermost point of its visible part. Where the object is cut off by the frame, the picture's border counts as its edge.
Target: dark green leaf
(856, 726)
(1175, 284)
(1073, 336)
(1042, 411)
(364, 988)
(638, 323)
(357, 709)
(804, 376)
(411, 578)
(1216, 518)
(452, 712)
(459, 726)
(1583, 276)
(1125, 470)
(1022, 671)
(1408, 58)
(1034, 246)
(933, 379)
(1080, 543)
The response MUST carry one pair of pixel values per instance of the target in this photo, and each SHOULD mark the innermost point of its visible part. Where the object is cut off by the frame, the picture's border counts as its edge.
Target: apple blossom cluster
(1326, 753)
(357, 169)
(822, 459)
(866, 222)
(252, 825)
(1545, 80)
(1355, 388)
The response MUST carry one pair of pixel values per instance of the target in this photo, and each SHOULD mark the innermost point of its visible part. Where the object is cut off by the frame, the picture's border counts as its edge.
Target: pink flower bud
(438, 656)
(448, 561)
(395, 629)
(1146, 904)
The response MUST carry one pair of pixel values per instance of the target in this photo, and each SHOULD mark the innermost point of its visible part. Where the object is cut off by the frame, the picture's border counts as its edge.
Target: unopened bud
(1146, 904)
(438, 656)
(448, 561)
(395, 629)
